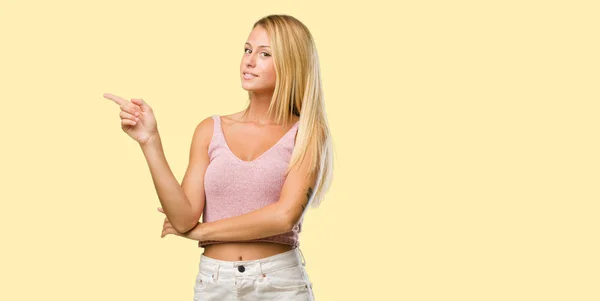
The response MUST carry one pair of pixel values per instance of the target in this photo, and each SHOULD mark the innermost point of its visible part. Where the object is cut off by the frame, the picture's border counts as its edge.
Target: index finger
(114, 98)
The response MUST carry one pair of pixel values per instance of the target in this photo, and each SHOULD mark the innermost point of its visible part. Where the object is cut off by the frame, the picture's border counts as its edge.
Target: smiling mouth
(249, 75)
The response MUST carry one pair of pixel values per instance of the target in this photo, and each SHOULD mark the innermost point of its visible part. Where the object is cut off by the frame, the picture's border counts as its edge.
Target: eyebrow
(265, 46)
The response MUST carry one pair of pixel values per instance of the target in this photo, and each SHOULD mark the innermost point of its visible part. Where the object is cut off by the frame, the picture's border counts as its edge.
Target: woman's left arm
(273, 219)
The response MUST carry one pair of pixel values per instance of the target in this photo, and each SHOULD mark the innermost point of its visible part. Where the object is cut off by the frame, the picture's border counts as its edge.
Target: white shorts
(278, 277)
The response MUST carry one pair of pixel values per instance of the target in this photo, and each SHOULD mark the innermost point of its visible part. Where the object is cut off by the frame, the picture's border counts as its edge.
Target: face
(258, 61)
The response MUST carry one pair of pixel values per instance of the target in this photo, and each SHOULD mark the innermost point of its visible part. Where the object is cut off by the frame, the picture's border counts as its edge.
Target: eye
(266, 54)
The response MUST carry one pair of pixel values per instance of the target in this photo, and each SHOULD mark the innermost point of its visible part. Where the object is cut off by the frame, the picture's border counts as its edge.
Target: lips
(248, 75)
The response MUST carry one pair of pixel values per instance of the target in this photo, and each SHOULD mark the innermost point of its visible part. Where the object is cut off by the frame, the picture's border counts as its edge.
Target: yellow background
(465, 137)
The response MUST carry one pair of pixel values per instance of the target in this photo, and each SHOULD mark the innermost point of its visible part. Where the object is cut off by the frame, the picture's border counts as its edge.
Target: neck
(259, 105)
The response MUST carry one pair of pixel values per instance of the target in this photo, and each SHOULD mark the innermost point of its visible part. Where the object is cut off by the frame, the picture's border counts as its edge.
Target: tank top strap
(296, 125)
(217, 127)
(295, 130)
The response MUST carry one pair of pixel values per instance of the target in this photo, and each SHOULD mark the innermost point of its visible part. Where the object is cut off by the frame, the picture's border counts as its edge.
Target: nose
(250, 60)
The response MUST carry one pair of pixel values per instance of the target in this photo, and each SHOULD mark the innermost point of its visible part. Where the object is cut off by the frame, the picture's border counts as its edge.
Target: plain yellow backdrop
(465, 138)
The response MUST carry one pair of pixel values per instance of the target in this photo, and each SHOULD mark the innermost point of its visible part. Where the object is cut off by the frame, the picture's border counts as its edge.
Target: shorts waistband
(224, 268)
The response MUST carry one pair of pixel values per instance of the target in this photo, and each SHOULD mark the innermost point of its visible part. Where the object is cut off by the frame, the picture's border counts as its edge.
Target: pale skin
(248, 137)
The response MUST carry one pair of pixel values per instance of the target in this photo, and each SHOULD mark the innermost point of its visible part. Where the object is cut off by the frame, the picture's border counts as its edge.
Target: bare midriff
(238, 251)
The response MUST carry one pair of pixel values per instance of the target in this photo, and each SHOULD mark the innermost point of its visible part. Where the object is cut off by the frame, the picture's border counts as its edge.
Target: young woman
(251, 174)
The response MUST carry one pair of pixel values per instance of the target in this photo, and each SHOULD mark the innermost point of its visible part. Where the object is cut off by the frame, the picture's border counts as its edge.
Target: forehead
(258, 36)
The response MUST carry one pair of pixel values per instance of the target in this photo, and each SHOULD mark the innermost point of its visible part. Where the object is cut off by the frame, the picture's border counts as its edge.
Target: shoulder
(204, 131)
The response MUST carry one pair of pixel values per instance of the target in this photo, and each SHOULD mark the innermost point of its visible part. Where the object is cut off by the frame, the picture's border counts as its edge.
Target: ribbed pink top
(234, 187)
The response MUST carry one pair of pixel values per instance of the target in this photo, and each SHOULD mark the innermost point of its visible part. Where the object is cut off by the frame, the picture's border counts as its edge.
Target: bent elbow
(183, 228)
(180, 229)
(286, 223)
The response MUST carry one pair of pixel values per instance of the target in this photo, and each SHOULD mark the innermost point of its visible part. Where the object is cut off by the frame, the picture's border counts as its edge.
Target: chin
(256, 87)
(251, 88)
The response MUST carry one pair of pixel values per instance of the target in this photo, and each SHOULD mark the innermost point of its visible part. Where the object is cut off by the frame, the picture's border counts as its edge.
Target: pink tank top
(234, 187)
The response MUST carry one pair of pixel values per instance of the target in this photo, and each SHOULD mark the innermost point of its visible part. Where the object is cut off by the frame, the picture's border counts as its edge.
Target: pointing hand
(137, 118)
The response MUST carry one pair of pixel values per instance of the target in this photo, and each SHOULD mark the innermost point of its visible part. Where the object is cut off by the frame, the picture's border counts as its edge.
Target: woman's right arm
(182, 204)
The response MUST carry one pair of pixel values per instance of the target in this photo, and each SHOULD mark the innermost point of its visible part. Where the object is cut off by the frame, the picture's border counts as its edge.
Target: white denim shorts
(279, 277)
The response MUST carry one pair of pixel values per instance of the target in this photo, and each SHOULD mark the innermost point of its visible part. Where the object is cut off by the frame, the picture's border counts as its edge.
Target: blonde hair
(298, 91)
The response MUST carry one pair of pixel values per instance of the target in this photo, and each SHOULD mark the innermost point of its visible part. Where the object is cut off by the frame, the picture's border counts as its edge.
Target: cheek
(271, 72)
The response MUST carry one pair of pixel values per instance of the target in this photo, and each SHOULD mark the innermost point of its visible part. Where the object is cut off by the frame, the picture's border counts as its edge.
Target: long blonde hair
(298, 91)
